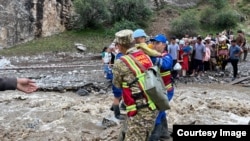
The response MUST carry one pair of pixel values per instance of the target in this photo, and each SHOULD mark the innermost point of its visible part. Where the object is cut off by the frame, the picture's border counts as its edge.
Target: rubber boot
(156, 133)
(112, 108)
(164, 130)
(123, 106)
(117, 112)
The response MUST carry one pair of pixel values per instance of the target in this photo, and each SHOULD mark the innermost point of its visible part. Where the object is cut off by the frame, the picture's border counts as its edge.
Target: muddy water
(54, 116)
(67, 116)
(210, 104)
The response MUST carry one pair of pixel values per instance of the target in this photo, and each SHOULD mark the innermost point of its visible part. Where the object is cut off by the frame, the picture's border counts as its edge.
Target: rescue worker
(141, 111)
(164, 62)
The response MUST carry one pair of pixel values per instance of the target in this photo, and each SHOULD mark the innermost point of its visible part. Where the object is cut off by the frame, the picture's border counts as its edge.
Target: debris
(236, 81)
(80, 47)
(109, 122)
(82, 92)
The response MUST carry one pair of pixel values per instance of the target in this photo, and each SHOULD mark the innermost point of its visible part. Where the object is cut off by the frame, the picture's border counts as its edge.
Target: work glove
(151, 105)
(132, 113)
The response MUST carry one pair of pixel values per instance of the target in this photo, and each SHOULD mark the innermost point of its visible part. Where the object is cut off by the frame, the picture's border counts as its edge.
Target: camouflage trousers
(139, 127)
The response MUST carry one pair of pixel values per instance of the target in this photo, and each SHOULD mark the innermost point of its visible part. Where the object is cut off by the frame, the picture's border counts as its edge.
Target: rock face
(24, 20)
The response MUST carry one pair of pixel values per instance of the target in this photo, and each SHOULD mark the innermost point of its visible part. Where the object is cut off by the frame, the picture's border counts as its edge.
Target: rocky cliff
(24, 20)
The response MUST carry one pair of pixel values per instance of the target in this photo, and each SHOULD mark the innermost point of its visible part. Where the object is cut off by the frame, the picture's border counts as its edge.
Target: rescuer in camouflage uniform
(141, 111)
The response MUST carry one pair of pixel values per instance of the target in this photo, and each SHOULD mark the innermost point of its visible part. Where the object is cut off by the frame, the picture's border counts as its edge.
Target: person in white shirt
(106, 58)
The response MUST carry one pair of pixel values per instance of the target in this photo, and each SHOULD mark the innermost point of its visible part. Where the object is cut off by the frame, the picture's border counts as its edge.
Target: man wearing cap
(164, 62)
(141, 111)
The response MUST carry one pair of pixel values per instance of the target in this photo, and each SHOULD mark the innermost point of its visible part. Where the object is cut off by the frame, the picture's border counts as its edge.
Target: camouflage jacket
(122, 73)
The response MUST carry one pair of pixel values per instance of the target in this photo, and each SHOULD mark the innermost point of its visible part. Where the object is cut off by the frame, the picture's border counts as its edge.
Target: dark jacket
(8, 84)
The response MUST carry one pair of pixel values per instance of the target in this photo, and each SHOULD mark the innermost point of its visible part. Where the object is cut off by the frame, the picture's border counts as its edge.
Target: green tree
(186, 23)
(218, 4)
(123, 24)
(207, 17)
(246, 1)
(132, 10)
(226, 20)
(91, 13)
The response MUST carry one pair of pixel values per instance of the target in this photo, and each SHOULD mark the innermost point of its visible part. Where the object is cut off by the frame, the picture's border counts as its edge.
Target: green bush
(246, 1)
(96, 13)
(92, 13)
(245, 10)
(131, 10)
(123, 24)
(186, 23)
(226, 20)
(244, 6)
(218, 4)
(207, 17)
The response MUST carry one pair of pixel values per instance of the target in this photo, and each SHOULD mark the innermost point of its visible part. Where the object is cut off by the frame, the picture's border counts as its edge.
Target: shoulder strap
(130, 63)
(137, 62)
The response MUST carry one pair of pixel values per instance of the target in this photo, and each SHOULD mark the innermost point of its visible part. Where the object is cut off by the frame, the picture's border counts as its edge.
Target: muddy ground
(57, 113)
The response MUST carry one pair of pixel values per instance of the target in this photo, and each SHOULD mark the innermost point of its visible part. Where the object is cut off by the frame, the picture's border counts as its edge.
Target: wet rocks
(60, 72)
(107, 122)
(82, 92)
(80, 47)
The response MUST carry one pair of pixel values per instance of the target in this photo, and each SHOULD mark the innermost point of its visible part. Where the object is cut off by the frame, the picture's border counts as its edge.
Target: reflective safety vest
(166, 77)
(128, 97)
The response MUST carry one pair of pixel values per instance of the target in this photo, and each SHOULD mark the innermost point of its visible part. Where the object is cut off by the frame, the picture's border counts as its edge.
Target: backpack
(154, 86)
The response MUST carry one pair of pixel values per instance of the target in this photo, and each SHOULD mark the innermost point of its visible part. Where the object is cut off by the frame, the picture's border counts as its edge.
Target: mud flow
(57, 112)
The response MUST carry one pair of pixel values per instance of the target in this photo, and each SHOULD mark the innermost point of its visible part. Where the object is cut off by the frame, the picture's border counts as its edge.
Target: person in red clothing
(185, 51)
